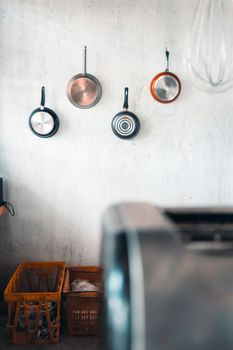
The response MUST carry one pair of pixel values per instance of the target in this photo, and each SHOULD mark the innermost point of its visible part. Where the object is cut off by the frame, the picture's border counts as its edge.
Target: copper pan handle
(85, 60)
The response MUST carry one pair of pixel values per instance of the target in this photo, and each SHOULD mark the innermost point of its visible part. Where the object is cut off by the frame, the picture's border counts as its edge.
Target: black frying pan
(125, 124)
(43, 121)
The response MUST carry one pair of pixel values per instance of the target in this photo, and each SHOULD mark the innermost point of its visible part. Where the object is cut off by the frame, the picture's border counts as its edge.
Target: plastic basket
(34, 297)
(83, 309)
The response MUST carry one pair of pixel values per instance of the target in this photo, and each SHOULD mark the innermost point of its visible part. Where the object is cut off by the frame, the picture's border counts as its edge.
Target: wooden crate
(34, 299)
(83, 309)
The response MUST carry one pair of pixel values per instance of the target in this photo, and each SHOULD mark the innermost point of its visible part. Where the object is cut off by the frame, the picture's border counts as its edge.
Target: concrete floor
(66, 343)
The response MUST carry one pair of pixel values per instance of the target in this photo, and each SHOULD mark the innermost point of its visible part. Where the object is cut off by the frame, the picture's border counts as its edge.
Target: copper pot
(84, 90)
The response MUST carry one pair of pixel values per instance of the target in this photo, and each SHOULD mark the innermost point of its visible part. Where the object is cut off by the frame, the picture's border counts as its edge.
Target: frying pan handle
(85, 60)
(126, 96)
(167, 53)
(42, 103)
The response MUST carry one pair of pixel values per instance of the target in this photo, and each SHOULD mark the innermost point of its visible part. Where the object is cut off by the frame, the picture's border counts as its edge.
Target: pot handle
(42, 103)
(126, 95)
(85, 60)
(167, 53)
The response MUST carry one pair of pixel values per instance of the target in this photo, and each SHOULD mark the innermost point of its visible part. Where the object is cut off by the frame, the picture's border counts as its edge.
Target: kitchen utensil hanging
(43, 121)
(125, 124)
(166, 86)
(84, 90)
(208, 49)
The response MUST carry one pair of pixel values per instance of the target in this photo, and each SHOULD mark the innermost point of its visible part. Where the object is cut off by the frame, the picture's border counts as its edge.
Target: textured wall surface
(61, 186)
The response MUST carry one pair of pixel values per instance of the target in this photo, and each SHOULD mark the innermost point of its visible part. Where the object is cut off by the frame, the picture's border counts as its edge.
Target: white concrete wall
(61, 186)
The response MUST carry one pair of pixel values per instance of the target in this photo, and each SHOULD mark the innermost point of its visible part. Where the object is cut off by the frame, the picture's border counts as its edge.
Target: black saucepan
(43, 121)
(125, 124)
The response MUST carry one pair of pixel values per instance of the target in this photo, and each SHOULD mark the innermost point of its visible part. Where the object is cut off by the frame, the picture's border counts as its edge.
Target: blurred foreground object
(2, 210)
(209, 49)
(168, 278)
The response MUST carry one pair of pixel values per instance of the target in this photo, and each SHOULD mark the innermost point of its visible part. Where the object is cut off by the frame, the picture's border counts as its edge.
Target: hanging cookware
(166, 86)
(43, 122)
(125, 124)
(84, 90)
(208, 48)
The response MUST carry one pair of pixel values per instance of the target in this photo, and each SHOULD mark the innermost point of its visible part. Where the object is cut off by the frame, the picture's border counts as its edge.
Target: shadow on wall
(27, 236)
(6, 269)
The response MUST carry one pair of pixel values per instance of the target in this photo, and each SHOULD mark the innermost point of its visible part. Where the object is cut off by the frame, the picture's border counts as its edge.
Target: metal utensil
(166, 86)
(84, 90)
(125, 124)
(43, 121)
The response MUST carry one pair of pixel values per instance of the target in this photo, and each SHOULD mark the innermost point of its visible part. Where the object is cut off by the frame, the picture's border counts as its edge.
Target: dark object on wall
(43, 121)
(84, 90)
(83, 309)
(168, 278)
(1, 191)
(125, 124)
(4, 204)
(165, 87)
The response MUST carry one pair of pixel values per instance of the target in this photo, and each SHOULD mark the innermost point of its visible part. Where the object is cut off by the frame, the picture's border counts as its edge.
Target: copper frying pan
(84, 90)
(166, 86)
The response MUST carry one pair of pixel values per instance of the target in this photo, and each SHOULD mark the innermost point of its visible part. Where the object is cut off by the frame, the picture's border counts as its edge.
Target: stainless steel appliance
(168, 278)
